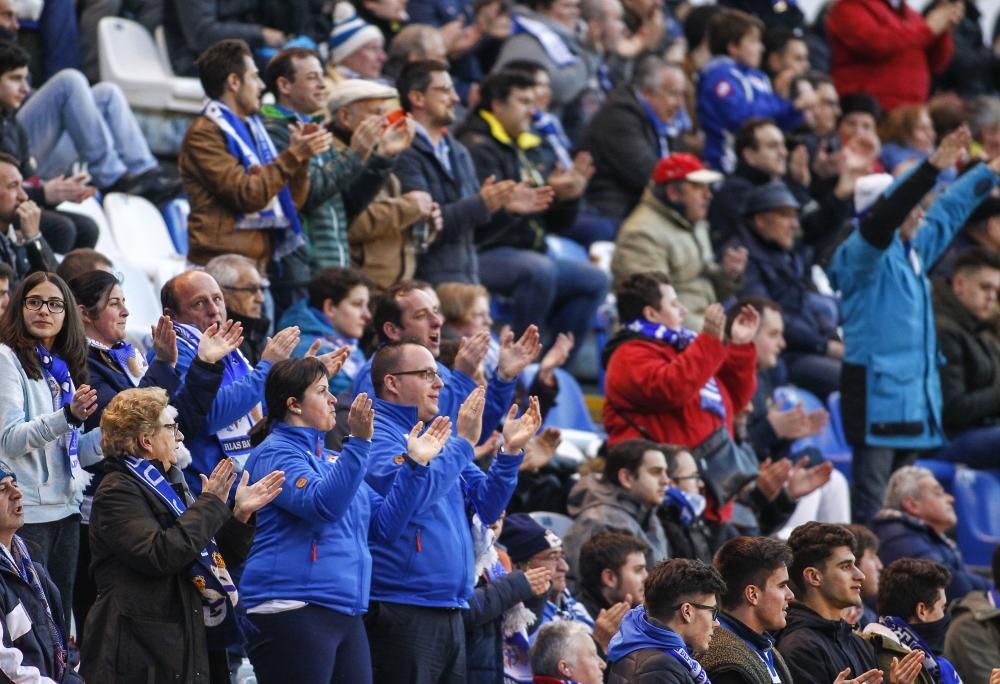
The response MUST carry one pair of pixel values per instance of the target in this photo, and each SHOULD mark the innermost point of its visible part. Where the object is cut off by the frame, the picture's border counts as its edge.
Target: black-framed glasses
(701, 606)
(263, 286)
(425, 374)
(36, 303)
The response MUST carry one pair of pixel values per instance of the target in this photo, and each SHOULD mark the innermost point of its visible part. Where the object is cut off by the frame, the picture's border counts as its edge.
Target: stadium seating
(827, 441)
(92, 209)
(557, 522)
(978, 530)
(570, 410)
(175, 214)
(142, 237)
(142, 300)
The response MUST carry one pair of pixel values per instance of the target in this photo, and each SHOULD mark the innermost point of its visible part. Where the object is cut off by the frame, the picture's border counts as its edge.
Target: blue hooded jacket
(311, 542)
(431, 562)
(314, 325)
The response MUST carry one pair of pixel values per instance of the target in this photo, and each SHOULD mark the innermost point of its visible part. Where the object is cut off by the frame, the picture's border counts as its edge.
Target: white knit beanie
(350, 32)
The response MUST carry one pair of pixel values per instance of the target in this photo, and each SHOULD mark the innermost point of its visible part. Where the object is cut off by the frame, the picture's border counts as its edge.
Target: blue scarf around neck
(62, 388)
(637, 632)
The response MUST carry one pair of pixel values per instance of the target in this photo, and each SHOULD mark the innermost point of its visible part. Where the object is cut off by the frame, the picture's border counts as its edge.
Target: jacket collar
(760, 641)
(655, 199)
(397, 415)
(890, 515)
(751, 173)
(306, 437)
(525, 141)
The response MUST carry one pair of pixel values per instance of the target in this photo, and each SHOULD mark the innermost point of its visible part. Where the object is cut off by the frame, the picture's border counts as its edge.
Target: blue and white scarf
(549, 127)
(661, 127)
(235, 438)
(208, 573)
(555, 47)
(937, 666)
(637, 632)
(680, 339)
(126, 357)
(517, 647)
(249, 142)
(61, 385)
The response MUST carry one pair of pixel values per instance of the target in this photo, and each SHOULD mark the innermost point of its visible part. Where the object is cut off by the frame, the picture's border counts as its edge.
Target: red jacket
(887, 53)
(658, 388)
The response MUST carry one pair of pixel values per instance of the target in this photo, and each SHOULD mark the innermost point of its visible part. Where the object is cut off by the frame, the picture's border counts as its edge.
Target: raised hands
(470, 416)
(396, 138)
(528, 199)
(870, 677)
(795, 423)
(907, 670)
(555, 357)
(220, 481)
(949, 152)
(540, 450)
(714, 323)
(361, 418)
(734, 261)
(518, 431)
(745, 326)
(366, 136)
(308, 140)
(219, 340)
(773, 477)
(803, 480)
(164, 340)
(496, 195)
(608, 621)
(251, 498)
(280, 346)
(84, 402)
(471, 352)
(333, 361)
(539, 580)
(515, 356)
(68, 189)
(422, 448)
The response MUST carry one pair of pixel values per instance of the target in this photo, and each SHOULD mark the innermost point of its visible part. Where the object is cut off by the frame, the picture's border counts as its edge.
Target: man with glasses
(22, 246)
(677, 618)
(424, 578)
(243, 290)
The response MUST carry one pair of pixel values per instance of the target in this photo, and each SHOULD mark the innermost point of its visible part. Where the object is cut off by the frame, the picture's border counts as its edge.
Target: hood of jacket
(889, 524)
(639, 631)
(620, 338)
(591, 491)
(311, 321)
(483, 123)
(802, 617)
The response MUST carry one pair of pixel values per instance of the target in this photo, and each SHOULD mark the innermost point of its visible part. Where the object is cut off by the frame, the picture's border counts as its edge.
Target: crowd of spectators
(415, 227)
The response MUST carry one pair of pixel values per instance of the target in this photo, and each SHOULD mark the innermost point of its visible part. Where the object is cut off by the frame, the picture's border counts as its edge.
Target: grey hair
(412, 38)
(553, 644)
(649, 74)
(984, 112)
(225, 268)
(903, 483)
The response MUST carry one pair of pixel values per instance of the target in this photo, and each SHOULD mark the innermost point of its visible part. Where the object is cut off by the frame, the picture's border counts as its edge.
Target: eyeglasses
(699, 606)
(425, 374)
(252, 289)
(53, 305)
(447, 90)
(172, 427)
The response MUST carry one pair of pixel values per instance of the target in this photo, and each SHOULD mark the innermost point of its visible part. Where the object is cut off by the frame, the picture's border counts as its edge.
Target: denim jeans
(558, 295)
(68, 121)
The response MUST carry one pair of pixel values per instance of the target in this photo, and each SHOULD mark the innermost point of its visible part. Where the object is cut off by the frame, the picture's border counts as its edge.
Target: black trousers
(416, 645)
(65, 231)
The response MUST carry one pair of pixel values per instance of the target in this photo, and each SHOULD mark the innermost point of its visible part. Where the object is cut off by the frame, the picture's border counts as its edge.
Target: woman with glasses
(43, 405)
(306, 583)
(166, 609)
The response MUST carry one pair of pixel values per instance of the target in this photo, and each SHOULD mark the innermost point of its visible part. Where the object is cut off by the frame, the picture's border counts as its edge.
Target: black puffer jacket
(817, 650)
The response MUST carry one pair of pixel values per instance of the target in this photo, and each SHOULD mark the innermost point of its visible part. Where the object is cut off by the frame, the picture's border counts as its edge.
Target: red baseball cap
(683, 167)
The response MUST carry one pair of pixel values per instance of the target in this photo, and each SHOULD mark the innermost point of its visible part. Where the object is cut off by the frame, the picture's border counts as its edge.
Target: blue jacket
(903, 536)
(314, 325)
(457, 386)
(729, 94)
(431, 562)
(891, 355)
(312, 541)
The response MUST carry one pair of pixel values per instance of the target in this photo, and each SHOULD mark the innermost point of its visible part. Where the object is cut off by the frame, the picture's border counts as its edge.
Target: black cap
(773, 195)
(852, 103)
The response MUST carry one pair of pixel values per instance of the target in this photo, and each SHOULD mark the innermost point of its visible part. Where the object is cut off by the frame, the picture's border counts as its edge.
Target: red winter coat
(658, 388)
(887, 53)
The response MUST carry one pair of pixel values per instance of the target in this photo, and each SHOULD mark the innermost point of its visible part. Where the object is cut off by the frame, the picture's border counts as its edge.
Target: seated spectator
(786, 53)
(356, 47)
(732, 88)
(982, 230)
(414, 43)
(623, 164)
(195, 305)
(562, 652)
(917, 514)
(81, 261)
(913, 618)
(414, 626)
(22, 246)
(972, 642)
(37, 650)
(816, 644)
(666, 383)
(868, 562)
(682, 512)
(907, 135)
(388, 16)
(244, 293)
(440, 166)
(667, 232)
(156, 550)
(859, 115)
(887, 410)
(612, 569)
(984, 122)
(332, 516)
(974, 68)
(6, 284)
(757, 596)
(243, 194)
(778, 270)
(42, 410)
(890, 51)
(334, 316)
(624, 500)
(678, 616)
(965, 315)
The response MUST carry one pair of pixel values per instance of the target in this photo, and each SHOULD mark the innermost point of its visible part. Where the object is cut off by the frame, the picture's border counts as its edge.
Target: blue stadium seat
(175, 214)
(943, 471)
(827, 442)
(564, 248)
(557, 522)
(978, 530)
(570, 410)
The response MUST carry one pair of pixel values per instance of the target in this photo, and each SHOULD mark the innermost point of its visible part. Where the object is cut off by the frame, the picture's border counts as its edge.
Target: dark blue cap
(773, 195)
(523, 537)
(7, 471)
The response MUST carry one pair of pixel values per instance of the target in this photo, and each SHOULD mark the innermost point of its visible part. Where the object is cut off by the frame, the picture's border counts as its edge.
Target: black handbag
(725, 466)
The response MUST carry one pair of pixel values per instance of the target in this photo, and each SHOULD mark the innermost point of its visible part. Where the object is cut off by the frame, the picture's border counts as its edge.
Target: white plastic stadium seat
(142, 237)
(142, 300)
(105, 240)
(129, 58)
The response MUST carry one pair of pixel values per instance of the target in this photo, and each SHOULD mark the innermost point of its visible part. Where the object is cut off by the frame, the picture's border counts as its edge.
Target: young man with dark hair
(913, 618)
(244, 195)
(624, 500)
(757, 596)
(972, 643)
(817, 644)
(612, 568)
(657, 639)
(82, 260)
(866, 558)
(22, 246)
(785, 52)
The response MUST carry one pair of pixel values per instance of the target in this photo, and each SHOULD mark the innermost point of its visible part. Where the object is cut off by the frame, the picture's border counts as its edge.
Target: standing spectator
(888, 50)
(244, 292)
(42, 411)
(243, 193)
(565, 649)
(974, 68)
(22, 246)
(973, 639)
(667, 232)
(160, 555)
(890, 385)
(356, 47)
(623, 164)
(677, 618)
(612, 569)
